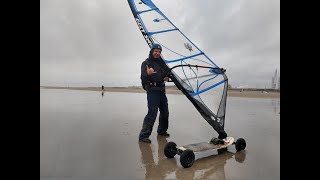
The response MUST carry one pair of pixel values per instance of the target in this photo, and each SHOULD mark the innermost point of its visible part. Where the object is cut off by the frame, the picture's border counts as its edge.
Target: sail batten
(168, 30)
(140, 12)
(181, 59)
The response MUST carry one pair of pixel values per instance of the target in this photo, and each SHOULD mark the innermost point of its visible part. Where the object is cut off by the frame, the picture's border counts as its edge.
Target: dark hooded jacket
(153, 82)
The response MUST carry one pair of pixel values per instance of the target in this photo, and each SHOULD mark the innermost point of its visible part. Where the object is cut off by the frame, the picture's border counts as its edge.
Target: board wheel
(187, 158)
(240, 144)
(170, 149)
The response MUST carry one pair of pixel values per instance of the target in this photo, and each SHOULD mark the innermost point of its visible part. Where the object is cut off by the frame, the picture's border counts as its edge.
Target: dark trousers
(156, 100)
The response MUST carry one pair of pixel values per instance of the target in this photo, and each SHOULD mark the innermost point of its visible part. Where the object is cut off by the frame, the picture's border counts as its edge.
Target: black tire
(187, 158)
(240, 144)
(170, 149)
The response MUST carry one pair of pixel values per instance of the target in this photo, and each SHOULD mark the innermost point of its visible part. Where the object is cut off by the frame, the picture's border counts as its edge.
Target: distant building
(274, 81)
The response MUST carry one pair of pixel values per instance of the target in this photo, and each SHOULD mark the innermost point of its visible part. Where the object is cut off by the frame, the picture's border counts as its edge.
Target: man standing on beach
(153, 82)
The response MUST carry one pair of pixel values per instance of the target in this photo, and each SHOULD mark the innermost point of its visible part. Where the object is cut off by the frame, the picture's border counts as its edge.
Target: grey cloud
(88, 42)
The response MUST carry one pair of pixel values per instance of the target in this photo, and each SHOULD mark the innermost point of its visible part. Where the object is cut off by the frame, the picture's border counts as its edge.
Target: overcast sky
(97, 42)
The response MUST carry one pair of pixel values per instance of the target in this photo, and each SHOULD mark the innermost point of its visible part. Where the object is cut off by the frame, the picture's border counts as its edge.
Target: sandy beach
(174, 90)
(94, 135)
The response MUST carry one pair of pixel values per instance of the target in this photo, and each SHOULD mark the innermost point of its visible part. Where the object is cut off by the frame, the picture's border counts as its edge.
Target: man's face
(156, 53)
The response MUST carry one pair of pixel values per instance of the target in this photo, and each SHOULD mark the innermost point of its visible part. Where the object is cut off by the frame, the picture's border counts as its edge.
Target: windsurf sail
(192, 71)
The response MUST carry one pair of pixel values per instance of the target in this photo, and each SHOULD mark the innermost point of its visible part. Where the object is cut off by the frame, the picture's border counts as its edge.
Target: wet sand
(90, 135)
(174, 90)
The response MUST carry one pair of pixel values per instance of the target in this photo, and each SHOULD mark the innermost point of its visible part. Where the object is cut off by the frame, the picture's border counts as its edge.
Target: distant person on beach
(102, 88)
(153, 83)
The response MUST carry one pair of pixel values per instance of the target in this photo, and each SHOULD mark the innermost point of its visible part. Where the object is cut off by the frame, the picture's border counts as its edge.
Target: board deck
(203, 146)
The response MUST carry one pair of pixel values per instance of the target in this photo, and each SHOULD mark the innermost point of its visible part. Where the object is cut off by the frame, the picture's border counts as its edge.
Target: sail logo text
(143, 31)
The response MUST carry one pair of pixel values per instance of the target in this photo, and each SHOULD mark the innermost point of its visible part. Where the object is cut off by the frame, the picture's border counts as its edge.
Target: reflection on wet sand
(276, 106)
(164, 165)
(211, 167)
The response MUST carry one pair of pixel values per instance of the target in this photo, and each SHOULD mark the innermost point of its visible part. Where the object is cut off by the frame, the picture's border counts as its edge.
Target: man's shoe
(146, 140)
(216, 141)
(164, 134)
